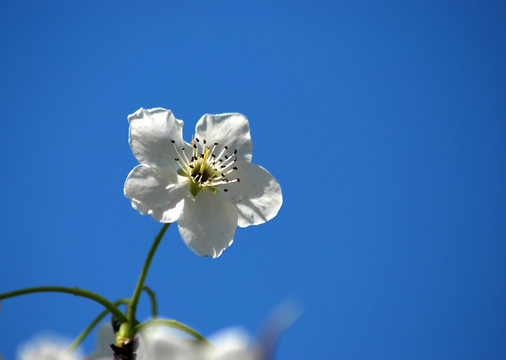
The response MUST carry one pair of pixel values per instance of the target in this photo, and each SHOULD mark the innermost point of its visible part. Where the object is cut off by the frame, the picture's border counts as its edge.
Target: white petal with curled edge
(208, 223)
(257, 196)
(155, 191)
(151, 132)
(230, 130)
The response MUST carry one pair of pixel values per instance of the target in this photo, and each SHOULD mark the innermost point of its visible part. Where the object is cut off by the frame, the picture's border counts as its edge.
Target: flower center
(205, 169)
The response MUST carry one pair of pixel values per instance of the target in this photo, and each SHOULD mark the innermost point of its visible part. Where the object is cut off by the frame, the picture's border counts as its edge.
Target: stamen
(221, 152)
(228, 163)
(181, 165)
(184, 156)
(224, 181)
(212, 150)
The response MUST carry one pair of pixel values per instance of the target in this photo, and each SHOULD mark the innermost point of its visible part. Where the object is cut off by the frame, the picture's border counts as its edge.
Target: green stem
(132, 306)
(68, 290)
(92, 325)
(172, 324)
(152, 298)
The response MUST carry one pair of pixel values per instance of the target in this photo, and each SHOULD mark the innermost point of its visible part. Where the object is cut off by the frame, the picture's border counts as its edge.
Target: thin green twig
(172, 324)
(92, 325)
(132, 306)
(152, 298)
(70, 290)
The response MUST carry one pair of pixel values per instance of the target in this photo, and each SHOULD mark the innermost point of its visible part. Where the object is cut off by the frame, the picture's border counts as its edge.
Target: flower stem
(172, 324)
(132, 305)
(152, 298)
(94, 323)
(70, 290)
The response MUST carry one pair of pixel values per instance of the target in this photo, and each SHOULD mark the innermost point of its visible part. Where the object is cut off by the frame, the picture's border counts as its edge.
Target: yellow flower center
(205, 169)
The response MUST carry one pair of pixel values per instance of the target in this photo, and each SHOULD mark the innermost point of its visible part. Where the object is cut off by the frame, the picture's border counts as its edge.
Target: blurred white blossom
(163, 343)
(47, 348)
(160, 343)
(231, 344)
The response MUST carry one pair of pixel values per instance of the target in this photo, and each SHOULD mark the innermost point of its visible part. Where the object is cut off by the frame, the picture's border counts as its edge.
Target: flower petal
(257, 196)
(208, 223)
(230, 130)
(156, 191)
(151, 132)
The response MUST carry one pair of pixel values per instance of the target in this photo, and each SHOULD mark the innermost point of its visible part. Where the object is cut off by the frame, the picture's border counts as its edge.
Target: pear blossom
(161, 343)
(47, 348)
(232, 344)
(208, 186)
(228, 344)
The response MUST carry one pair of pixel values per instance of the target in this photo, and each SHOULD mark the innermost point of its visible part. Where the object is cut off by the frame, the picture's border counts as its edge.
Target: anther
(238, 179)
(204, 141)
(225, 190)
(197, 139)
(226, 147)
(235, 168)
(235, 151)
(177, 159)
(172, 141)
(216, 144)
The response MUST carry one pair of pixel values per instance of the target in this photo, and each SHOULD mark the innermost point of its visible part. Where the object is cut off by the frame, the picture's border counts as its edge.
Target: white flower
(229, 344)
(209, 186)
(47, 348)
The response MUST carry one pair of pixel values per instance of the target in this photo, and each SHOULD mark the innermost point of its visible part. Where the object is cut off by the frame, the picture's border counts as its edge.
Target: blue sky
(384, 123)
